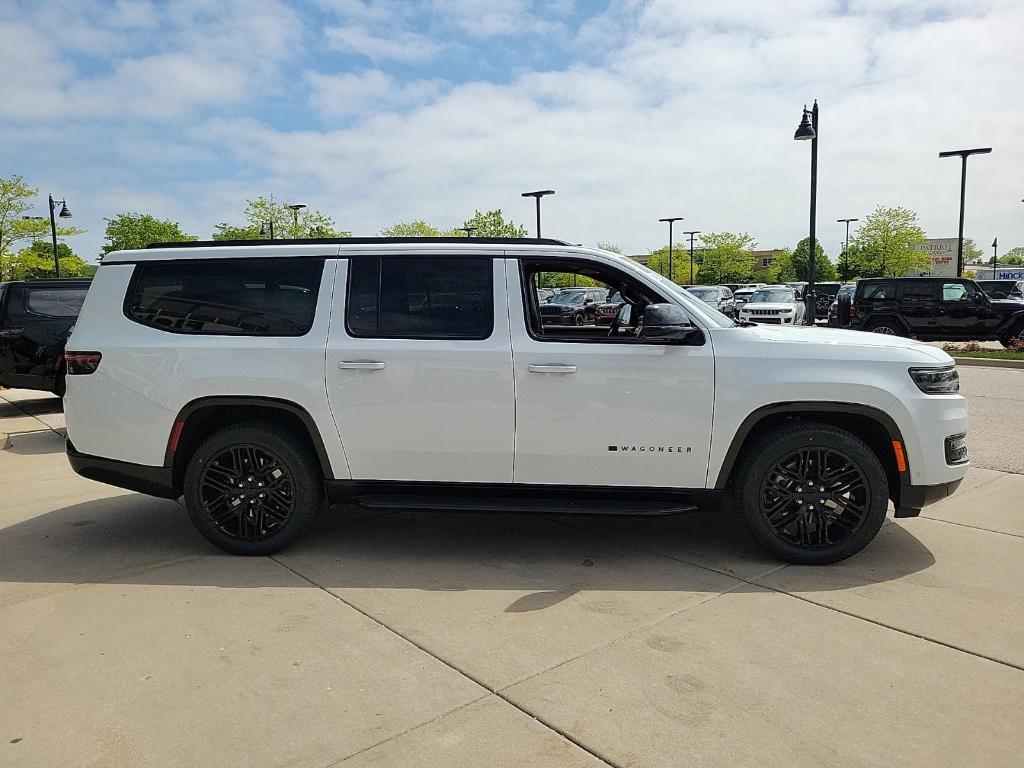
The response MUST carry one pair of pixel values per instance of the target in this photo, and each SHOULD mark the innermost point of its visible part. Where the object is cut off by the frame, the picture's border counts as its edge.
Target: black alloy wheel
(811, 493)
(578, 319)
(252, 489)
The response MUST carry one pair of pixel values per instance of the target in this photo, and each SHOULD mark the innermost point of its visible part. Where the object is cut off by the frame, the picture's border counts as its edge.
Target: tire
(292, 484)
(579, 320)
(886, 326)
(770, 491)
(1017, 333)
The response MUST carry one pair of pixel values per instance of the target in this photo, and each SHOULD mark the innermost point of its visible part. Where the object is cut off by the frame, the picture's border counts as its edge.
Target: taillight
(853, 311)
(82, 363)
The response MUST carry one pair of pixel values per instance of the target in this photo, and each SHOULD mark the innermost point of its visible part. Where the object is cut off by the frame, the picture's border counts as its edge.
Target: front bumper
(154, 481)
(914, 498)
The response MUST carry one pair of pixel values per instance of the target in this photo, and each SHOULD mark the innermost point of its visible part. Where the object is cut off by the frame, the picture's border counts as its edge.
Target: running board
(632, 508)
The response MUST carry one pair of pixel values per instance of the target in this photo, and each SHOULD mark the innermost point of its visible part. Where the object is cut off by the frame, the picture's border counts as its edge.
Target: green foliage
(1013, 256)
(972, 252)
(610, 247)
(262, 212)
(37, 261)
(658, 261)
(127, 231)
(566, 280)
(882, 245)
(726, 258)
(15, 204)
(493, 224)
(417, 228)
(824, 269)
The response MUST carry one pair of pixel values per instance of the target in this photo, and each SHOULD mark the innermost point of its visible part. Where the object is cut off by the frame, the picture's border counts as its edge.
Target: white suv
(264, 380)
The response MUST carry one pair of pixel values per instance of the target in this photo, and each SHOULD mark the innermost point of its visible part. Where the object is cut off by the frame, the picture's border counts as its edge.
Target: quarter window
(55, 302)
(420, 298)
(232, 297)
(875, 291)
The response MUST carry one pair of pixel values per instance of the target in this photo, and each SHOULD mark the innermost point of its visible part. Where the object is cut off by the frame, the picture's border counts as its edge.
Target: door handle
(361, 365)
(551, 368)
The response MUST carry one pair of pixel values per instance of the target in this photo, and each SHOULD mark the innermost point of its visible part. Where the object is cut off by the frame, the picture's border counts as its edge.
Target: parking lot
(420, 639)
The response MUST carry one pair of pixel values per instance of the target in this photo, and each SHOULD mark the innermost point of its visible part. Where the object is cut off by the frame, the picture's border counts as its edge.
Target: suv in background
(573, 306)
(262, 380)
(824, 295)
(1003, 289)
(36, 317)
(718, 296)
(935, 309)
(774, 304)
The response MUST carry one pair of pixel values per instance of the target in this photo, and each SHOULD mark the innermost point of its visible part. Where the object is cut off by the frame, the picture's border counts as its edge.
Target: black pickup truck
(934, 309)
(36, 317)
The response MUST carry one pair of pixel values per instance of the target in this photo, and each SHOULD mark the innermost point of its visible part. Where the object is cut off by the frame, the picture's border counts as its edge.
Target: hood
(838, 337)
(770, 305)
(559, 306)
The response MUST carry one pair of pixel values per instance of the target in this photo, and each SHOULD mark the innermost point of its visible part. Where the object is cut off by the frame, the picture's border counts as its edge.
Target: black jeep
(934, 309)
(36, 317)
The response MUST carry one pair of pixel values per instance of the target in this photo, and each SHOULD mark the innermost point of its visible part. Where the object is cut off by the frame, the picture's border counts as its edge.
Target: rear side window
(919, 291)
(232, 297)
(876, 291)
(55, 302)
(420, 298)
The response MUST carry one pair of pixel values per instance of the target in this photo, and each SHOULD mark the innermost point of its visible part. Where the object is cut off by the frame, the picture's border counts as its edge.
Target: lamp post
(537, 196)
(263, 229)
(808, 130)
(295, 208)
(846, 248)
(995, 256)
(963, 154)
(671, 220)
(64, 214)
(691, 233)
(468, 230)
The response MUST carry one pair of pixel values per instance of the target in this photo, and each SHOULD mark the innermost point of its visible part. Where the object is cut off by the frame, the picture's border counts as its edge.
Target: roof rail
(365, 241)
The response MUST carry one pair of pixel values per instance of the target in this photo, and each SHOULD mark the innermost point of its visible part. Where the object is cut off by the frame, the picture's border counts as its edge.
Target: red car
(606, 312)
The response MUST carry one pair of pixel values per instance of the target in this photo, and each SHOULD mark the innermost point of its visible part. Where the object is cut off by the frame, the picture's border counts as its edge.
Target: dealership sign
(943, 253)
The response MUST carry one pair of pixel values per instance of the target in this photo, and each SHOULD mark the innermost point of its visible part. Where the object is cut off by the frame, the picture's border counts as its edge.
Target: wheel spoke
(260, 506)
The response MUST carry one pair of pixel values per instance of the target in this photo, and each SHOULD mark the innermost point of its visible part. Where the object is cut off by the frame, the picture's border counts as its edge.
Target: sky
(377, 111)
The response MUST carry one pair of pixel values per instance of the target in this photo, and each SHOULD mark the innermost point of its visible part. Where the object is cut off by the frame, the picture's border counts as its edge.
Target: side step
(629, 507)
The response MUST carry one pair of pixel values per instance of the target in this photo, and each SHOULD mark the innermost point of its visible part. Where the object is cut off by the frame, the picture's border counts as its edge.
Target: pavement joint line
(975, 527)
(451, 665)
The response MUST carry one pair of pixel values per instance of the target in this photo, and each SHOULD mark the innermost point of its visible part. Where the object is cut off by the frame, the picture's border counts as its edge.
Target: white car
(774, 304)
(261, 381)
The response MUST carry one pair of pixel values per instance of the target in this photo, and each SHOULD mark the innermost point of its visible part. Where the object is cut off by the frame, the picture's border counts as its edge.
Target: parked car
(606, 313)
(35, 319)
(573, 306)
(824, 295)
(740, 297)
(718, 296)
(545, 294)
(798, 287)
(261, 381)
(1003, 289)
(935, 309)
(775, 304)
(845, 292)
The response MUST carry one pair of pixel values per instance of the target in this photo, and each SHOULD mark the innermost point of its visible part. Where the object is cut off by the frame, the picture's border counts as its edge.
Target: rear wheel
(578, 320)
(812, 493)
(252, 489)
(886, 326)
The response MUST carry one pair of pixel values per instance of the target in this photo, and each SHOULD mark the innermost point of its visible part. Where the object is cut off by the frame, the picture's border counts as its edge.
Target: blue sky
(632, 110)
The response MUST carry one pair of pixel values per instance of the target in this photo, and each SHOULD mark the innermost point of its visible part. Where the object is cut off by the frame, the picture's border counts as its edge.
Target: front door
(419, 368)
(961, 310)
(596, 408)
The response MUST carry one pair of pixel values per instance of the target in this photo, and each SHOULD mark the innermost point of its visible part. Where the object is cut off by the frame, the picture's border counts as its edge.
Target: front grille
(956, 449)
(767, 312)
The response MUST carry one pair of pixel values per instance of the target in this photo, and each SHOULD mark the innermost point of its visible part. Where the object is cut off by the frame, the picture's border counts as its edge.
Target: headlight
(936, 381)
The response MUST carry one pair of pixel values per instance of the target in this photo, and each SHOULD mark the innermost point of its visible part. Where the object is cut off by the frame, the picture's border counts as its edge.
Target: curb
(990, 362)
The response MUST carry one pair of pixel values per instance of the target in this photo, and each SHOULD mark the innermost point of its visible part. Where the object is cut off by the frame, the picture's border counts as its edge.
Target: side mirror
(587, 301)
(666, 323)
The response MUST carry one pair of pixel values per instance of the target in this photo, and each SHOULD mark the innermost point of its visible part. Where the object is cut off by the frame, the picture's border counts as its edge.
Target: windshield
(568, 297)
(776, 296)
(704, 294)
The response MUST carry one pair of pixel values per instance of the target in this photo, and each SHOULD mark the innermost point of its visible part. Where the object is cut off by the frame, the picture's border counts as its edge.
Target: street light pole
(963, 154)
(671, 221)
(846, 248)
(295, 208)
(468, 230)
(691, 233)
(537, 196)
(995, 256)
(64, 214)
(808, 129)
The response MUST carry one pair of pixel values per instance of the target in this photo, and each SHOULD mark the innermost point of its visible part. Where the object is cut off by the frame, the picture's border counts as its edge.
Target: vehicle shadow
(134, 539)
(36, 443)
(38, 406)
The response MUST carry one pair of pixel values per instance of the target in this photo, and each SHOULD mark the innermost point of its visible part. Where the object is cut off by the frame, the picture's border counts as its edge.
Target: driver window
(955, 292)
(568, 301)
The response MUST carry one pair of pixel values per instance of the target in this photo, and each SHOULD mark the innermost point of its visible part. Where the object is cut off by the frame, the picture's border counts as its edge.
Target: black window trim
(419, 337)
(137, 269)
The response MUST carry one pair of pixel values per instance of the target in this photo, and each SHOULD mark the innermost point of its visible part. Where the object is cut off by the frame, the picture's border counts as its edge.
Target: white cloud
(400, 45)
(492, 18)
(357, 93)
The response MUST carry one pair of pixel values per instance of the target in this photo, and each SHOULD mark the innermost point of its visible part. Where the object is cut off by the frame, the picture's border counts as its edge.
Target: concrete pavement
(419, 639)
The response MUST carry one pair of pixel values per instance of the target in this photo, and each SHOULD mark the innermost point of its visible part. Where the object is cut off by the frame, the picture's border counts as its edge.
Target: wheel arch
(873, 426)
(891, 316)
(203, 416)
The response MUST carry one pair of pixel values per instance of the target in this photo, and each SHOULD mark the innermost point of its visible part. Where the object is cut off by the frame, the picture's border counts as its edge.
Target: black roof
(365, 241)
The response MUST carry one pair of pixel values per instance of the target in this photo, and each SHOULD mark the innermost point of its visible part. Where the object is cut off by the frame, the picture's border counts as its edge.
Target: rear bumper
(154, 481)
(914, 498)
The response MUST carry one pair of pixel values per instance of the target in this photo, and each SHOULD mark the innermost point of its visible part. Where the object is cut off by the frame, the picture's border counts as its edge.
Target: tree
(726, 258)
(493, 224)
(658, 261)
(824, 269)
(37, 261)
(881, 247)
(128, 231)
(264, 214)
(610, 247)
(1013, 256)
(417, 228)
(972, 253)
(15, 197)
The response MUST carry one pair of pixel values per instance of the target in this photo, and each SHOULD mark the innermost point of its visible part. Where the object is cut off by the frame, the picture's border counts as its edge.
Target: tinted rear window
(235, 297)
(874, 291)
(919, 291)
(420, 298)
(55, 302)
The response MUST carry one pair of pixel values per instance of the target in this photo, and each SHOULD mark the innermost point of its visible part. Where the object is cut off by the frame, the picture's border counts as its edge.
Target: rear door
(419, 368)
(919, 308)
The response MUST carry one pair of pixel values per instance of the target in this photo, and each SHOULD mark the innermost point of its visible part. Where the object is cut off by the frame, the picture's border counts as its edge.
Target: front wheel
(812, 493)
(252, 489)
(578, 320)
(1014, 338)
(886, 327)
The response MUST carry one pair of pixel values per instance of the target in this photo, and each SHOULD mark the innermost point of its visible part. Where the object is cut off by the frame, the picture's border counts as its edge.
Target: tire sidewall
(884, 323)
(769, 452)
(306, 480)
